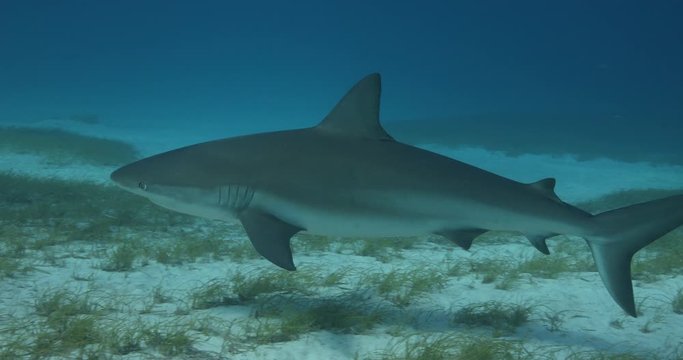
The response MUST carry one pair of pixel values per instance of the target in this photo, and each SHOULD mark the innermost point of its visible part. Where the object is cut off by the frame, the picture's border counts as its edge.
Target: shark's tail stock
(620, 233)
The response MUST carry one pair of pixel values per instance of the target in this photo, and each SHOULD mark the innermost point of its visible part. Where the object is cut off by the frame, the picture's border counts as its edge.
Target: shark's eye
(142, 185)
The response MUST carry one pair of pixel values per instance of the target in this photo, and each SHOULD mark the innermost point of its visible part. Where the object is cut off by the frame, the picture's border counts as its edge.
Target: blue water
(579, 72)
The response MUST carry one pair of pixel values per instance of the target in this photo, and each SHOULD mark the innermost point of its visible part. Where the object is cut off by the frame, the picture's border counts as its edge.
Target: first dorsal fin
(357, 113)
(546, 187)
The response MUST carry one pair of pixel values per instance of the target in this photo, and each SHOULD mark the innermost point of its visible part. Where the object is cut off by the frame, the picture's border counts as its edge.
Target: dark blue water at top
(602, 77)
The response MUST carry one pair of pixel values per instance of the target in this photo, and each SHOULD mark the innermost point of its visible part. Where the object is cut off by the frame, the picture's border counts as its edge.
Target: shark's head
(177, 181)
(132, 177)
(147, 177)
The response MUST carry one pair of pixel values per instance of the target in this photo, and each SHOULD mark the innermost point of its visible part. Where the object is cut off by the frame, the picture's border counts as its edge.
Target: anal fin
(462, 237)
(538, 241)
(270, 236)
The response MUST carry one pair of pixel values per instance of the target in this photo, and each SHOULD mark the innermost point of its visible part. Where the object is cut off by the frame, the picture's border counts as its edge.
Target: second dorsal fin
(357, 113)
(546, 187)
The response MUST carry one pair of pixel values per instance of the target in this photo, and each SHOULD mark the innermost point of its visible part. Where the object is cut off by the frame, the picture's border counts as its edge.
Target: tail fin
(620, 233)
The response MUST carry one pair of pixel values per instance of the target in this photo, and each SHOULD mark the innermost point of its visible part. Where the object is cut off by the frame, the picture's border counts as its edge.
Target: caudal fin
(620, 233)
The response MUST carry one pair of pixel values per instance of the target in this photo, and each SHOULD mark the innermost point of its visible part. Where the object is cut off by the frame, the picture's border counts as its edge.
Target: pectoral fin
(270, 236)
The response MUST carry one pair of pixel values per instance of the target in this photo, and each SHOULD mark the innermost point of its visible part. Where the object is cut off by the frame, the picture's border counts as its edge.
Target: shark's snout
(115, 176)
(123, 178)
(118, 176)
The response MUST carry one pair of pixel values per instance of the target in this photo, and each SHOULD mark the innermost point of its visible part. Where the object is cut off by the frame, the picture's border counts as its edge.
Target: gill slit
(235, 197)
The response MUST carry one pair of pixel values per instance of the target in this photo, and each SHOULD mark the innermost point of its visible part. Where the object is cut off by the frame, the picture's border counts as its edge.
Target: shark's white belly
(386, 214)
(385, 220)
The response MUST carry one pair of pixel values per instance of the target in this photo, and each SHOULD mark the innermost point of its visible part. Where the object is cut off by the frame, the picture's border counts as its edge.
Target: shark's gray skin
(348, 177)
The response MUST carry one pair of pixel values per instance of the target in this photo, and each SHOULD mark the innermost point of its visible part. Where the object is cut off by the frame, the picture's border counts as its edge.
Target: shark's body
(348, 177)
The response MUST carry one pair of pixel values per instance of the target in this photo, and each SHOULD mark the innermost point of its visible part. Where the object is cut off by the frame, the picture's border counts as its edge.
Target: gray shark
(348, 177)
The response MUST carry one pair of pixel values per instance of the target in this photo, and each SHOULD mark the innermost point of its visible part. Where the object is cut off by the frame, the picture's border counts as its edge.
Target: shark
(347, 177)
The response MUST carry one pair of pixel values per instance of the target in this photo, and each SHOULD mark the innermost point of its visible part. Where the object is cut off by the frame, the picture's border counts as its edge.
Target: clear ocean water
(600, 76)
(590, 92)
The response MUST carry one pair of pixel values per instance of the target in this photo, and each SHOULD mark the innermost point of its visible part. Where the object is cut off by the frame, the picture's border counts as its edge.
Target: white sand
(580, 298)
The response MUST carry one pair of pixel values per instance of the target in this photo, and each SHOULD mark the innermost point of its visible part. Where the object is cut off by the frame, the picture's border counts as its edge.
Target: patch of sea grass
(497, 315)
(661, 258)
(60, 146)
(83, 209)
(448, 346)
